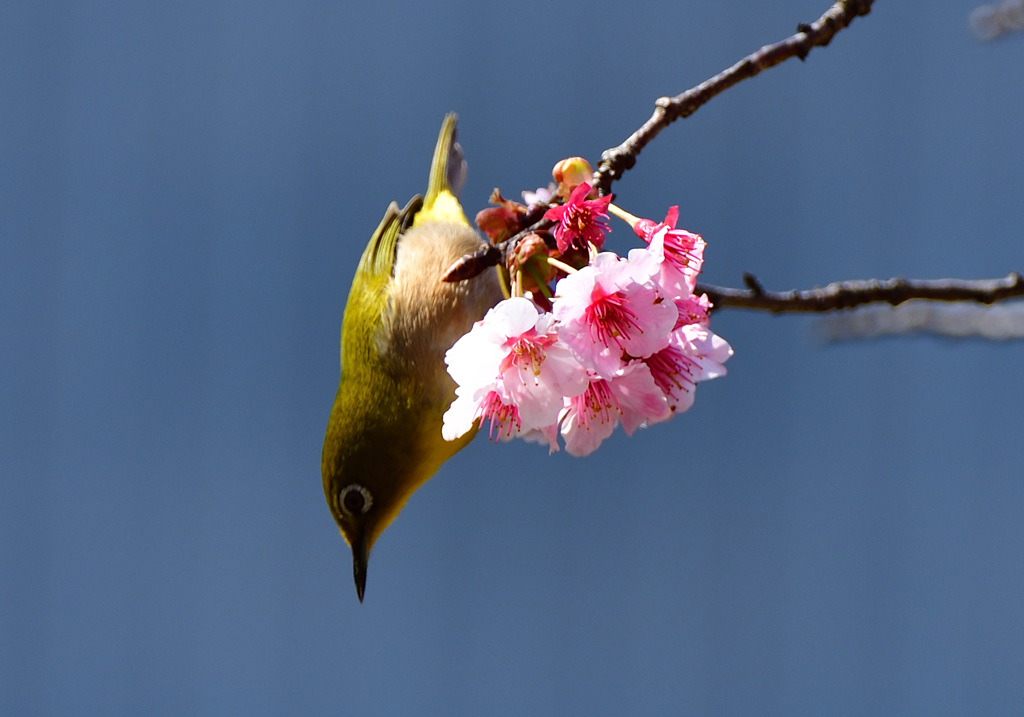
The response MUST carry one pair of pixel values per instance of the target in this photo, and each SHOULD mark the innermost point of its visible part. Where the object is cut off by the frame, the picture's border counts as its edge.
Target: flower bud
(530, 259)
(502, 220)
(529, 246)
(497, 222)
(571, 173)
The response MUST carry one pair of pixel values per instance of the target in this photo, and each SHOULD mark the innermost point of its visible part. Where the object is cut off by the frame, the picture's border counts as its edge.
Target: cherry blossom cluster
(617, 341)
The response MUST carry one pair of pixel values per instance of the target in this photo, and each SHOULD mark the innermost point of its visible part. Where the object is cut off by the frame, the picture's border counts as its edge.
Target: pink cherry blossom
(694, 354)
(580, 220)
(610, 311)
(674, 373)
(543, 195)
(589, 418)
(630, 397)
(710, 348)
(626, 341)
(693, 310)
(471, 405)
(679, 252)
(547, 435)
(511, 360)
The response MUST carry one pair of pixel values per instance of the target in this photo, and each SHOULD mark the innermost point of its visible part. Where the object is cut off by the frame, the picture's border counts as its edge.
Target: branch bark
(617, 160)
(849, 294)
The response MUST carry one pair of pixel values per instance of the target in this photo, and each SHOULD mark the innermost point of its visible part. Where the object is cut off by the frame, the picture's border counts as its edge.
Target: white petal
(460, 416)
(513, 317)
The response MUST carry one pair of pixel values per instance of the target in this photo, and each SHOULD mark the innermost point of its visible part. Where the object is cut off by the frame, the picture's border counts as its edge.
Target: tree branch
(615, 161)
(849, 294)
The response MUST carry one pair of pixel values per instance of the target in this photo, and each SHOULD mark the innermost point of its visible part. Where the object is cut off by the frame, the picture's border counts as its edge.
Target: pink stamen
(503, 417)
(596, 402)
(527, 350)
(610, 317)
(668, 366)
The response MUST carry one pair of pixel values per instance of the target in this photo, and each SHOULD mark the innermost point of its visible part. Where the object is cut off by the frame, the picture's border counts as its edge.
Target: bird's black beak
(360, 558)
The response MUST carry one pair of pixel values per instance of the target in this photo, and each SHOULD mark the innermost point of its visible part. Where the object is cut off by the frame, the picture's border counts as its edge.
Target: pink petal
(640, 400)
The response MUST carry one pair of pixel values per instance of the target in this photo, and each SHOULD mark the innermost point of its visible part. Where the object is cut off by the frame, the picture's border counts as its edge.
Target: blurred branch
(849, 294)
(615, 161)
(990, 21)
(956, 319)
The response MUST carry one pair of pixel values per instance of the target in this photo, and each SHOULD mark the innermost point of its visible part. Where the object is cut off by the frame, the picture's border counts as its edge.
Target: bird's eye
(355, 499)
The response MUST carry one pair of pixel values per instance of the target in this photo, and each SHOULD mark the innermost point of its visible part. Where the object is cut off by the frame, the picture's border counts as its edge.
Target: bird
(383, 437)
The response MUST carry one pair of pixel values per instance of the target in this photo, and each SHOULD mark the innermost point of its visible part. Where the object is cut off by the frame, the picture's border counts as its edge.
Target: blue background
(185, 189)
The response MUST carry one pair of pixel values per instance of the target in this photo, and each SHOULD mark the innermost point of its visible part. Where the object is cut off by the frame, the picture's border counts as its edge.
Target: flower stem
(561, 265)
(622, 214)
(535, 275)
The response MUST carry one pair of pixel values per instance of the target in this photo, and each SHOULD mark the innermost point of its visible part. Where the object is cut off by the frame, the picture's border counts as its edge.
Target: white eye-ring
(355, 499)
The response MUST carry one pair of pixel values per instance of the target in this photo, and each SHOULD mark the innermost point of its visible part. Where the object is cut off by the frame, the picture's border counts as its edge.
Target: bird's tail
(447, 175)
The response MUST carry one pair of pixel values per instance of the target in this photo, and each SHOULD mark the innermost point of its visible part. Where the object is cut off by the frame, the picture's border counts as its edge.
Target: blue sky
(186, 189)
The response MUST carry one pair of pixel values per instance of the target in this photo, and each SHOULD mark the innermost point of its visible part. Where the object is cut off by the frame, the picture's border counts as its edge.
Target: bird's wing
(368, 297)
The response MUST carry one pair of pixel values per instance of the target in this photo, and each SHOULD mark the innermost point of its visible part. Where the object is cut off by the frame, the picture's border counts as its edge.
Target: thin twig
(848, 294)
(615, 161)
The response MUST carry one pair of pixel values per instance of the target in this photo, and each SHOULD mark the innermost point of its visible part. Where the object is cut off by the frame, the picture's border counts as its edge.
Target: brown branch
(615, 161)
(849, 294)
(469, 265)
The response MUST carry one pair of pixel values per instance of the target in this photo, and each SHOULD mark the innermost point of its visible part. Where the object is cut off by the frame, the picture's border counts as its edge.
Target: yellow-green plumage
(384, 434)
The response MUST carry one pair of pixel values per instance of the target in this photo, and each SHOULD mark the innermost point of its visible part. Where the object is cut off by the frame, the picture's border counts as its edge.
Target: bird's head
(371, 468)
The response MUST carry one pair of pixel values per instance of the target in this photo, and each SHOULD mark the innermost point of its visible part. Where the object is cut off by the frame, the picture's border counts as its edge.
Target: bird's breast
(426, 315)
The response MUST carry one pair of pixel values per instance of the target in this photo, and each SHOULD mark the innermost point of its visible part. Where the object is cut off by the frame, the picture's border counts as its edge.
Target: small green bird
(384, 435)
